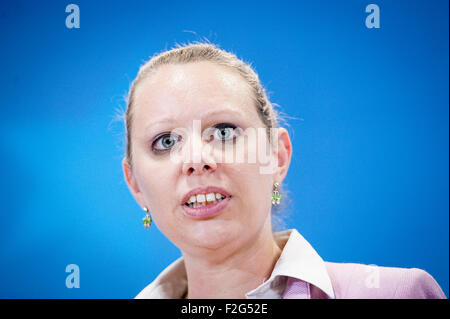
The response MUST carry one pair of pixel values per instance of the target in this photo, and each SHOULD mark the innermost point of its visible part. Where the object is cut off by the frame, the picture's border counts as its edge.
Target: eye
(224, 131)
(165, 142)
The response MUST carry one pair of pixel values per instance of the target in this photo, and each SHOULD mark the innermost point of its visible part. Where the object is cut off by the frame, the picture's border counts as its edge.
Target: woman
(190, 110)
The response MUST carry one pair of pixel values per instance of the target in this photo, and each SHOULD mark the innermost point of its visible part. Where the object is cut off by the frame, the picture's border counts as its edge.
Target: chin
(212, 234)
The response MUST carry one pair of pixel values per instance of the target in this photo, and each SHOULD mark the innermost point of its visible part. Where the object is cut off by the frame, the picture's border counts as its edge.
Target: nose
(200, 162)
(198, 168)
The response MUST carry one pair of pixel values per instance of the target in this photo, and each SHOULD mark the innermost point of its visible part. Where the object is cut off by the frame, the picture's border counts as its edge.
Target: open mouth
(205, 200)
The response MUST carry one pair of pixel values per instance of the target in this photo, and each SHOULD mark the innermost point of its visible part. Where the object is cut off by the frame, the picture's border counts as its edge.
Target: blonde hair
(202, 52)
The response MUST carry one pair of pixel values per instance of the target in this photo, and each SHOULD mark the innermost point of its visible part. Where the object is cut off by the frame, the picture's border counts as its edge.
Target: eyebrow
(208, 114)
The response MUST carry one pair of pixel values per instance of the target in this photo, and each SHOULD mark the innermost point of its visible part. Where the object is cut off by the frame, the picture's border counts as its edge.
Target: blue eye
(165, 142)
(221, 132)
(224, 131)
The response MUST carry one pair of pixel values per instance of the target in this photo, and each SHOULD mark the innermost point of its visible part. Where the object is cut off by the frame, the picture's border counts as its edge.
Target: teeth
(201, 198)
(199, 205)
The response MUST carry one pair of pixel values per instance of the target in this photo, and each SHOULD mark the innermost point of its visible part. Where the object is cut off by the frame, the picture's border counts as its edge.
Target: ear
(283, 153)
(131, 182)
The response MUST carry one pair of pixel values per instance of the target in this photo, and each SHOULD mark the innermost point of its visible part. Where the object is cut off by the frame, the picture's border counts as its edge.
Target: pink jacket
(358, 281)
(300, 273)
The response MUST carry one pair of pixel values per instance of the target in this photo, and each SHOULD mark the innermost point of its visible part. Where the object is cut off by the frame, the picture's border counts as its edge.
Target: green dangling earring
(276, 196)
(147, 220)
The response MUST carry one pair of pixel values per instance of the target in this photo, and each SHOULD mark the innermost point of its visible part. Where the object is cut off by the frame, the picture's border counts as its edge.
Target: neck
(233, 274)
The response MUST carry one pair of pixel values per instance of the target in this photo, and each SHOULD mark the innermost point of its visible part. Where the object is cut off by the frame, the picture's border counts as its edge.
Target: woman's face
(188, 99)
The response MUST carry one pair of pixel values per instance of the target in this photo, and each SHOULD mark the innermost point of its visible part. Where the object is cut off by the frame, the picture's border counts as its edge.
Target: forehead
(186, 91)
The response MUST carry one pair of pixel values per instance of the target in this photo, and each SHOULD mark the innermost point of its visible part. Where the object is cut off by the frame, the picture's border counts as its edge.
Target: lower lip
(210, 210)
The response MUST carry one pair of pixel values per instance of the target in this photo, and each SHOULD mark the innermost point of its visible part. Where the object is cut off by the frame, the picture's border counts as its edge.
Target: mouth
(202, 200)
(206, 202)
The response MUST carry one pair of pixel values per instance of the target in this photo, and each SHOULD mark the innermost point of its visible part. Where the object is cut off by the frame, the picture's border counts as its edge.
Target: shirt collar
(298, 260)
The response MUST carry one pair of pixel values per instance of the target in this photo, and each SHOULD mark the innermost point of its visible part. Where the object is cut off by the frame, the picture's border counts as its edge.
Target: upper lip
(203, 190)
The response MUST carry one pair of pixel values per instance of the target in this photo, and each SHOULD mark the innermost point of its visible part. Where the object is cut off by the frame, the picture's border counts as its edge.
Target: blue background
(369, 177)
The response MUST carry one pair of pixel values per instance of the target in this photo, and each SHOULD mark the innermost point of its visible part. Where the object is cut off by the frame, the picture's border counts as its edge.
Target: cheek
(254, 148)
(253, 189)
(251, 174)
(158, 180)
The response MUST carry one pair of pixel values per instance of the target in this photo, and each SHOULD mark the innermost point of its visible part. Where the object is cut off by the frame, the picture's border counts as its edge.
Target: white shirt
(298, 260)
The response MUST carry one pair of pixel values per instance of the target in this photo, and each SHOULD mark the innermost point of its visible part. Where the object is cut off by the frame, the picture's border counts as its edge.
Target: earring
(276, 196)
(147, 220)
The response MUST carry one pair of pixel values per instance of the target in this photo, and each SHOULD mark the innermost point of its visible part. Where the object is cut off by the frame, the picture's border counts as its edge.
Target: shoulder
(171, 283)
(351, 280)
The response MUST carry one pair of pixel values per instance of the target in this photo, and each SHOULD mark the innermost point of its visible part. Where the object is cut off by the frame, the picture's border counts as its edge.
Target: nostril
(198, 170)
